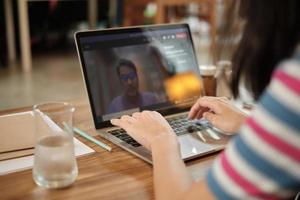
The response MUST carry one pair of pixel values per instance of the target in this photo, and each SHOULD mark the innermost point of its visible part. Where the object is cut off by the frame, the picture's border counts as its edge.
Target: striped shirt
(263, 160)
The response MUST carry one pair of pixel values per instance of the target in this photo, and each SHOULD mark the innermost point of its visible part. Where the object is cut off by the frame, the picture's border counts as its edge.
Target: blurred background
(38, 59)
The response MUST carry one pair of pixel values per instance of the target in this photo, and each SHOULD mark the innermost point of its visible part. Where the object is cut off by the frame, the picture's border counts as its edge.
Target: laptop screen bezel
(136, 29)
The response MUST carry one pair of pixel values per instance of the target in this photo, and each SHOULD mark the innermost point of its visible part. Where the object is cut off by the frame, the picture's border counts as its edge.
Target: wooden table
(102, 175)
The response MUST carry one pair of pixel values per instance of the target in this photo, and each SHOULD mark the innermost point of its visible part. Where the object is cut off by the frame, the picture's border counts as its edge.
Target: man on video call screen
(129, 72)
(131, 97)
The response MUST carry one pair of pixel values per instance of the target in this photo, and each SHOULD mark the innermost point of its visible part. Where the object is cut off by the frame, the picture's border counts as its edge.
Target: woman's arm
(169, 171)
(171, 178)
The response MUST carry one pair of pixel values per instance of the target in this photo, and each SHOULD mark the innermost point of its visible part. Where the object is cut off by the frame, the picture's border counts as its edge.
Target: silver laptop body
(161, 73)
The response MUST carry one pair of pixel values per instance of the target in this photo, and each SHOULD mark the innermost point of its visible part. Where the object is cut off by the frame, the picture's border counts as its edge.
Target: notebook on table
(17, 135)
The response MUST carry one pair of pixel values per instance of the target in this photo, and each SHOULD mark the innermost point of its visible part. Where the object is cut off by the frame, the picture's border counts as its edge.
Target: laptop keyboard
(122, 135)
(180, 124)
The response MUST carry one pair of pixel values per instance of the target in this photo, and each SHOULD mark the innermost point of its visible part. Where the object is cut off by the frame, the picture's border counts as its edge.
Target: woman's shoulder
(291, 66)
(288, 73)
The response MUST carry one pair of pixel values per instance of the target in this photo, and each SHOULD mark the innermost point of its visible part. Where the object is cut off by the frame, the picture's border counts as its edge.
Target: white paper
(23, 163)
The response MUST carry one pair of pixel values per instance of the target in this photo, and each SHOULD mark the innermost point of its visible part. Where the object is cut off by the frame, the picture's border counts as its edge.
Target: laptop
(132, 69)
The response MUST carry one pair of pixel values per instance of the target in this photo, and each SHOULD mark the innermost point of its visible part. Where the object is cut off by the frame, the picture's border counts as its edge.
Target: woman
(263, 160)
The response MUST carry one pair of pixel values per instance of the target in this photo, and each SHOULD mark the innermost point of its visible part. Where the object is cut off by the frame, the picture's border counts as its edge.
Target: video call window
(140, 71)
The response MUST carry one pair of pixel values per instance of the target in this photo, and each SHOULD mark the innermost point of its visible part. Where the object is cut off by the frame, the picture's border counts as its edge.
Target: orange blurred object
(183, 86)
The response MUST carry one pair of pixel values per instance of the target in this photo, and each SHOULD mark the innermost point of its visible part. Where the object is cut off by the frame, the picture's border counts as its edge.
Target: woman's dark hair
(270, 35)
(124, 62)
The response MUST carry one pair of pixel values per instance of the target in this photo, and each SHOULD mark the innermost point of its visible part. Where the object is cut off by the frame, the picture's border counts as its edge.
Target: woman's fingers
(200, 113)
(123, 122)
(117, 122)
(136, 115)
(127, 120)
(196, 108)
(203, 105)
(127, 123)
(214, 119)
(194, 111)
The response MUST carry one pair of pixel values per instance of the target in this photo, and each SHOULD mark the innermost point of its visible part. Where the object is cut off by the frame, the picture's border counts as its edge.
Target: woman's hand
(219, 112)
(147, 128)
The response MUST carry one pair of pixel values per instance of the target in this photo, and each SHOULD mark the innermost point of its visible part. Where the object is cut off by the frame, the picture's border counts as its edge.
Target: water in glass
(54, 162)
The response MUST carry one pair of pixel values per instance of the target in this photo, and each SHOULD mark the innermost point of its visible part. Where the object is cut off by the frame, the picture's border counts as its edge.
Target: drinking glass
(54, 159)
(209, 80)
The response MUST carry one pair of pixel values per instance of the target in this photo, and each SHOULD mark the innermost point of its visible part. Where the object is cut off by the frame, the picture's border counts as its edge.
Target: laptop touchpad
(191, 145)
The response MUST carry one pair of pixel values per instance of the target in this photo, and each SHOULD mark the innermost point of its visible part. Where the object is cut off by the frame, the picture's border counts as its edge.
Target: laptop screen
(134, 69)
